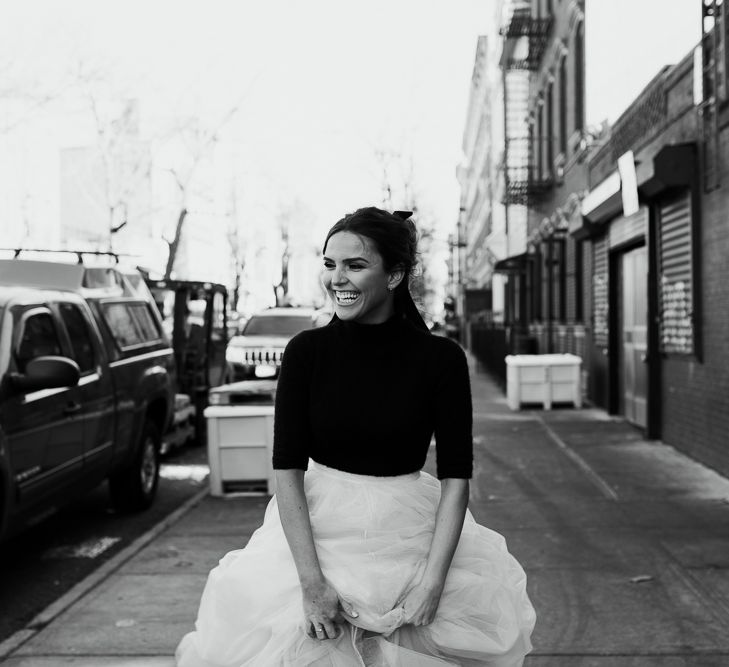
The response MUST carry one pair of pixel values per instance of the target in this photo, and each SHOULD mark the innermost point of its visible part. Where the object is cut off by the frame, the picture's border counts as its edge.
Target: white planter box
(543, 378)
(240, 446)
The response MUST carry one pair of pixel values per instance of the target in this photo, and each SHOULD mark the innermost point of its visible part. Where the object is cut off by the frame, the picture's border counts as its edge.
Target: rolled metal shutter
(675, 272)
(600, 297)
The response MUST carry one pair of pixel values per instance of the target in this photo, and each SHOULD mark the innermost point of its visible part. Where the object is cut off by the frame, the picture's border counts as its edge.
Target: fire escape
(712, 58)
(525, 41)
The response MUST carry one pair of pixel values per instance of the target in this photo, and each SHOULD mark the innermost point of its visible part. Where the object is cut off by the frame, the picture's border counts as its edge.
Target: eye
(328, 265)
(356, 267)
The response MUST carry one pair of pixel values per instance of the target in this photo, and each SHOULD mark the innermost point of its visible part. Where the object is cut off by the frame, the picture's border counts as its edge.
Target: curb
(103, 572)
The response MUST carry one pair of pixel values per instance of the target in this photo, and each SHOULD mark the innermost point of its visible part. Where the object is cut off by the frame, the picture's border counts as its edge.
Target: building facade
(660, 276)
(627, 234)
(546, 145)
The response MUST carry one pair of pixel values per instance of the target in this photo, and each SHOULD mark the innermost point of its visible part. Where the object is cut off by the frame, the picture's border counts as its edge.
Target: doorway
(632, 346)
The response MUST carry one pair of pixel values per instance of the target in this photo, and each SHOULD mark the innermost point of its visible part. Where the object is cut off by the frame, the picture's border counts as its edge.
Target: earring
(390, 288)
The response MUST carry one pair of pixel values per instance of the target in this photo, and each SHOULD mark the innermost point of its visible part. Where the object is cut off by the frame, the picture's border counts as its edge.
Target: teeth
(347, 297)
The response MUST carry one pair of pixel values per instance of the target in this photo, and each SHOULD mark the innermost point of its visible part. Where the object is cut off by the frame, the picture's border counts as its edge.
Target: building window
(560, 270)
(540, 141)
(549, 129)
(579, 281)
(563, 106)
(675, 274)
(579, 51)
(537, 285)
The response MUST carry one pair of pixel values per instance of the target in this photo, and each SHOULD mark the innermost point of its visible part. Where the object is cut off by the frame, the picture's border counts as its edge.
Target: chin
(346, 313)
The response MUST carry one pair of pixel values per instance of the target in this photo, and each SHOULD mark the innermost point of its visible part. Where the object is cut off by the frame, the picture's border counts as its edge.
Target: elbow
(456, 489)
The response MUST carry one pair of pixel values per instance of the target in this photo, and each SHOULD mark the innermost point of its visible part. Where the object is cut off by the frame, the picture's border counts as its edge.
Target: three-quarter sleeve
(292, 425)
(454, 414)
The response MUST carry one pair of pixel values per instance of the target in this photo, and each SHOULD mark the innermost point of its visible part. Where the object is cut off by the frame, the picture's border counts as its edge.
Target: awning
(512, 264)
(673, 166)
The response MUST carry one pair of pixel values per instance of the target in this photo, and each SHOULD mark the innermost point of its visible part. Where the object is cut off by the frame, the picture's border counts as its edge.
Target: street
(42, 564)
(625, 543)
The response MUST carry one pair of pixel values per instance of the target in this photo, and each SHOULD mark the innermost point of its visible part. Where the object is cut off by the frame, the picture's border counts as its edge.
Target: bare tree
(281, 290)
(125, 158)
(400, 191)
(199, 141)
(237, 251)
(22, 95)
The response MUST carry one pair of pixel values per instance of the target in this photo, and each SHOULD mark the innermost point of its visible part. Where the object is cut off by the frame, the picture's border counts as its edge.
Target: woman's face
(355, 278)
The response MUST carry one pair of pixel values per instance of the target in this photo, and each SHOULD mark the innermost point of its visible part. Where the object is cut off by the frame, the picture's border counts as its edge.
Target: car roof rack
(99, 281)
(79, 253)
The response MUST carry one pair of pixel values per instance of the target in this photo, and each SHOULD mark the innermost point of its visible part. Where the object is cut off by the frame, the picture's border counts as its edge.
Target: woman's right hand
(324, 610)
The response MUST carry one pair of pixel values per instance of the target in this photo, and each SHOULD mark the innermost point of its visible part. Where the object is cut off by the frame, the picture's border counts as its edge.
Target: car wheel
(134, 488)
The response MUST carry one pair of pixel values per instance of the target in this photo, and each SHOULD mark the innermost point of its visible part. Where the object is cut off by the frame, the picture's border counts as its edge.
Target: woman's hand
(420, 603)
(324, 610)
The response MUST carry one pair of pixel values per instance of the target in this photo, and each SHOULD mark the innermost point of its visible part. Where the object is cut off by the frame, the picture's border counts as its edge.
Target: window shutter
(600, 292)
(675, 270)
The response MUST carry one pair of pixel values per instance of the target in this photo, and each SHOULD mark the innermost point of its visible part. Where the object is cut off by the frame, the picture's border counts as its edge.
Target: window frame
(25, 315)
(89, 330)
(578, 42)
(107, 303)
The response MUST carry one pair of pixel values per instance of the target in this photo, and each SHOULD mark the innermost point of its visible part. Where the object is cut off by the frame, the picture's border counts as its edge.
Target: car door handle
(71, 408)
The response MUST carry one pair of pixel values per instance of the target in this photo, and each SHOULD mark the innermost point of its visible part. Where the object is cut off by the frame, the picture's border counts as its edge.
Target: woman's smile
(346, 297)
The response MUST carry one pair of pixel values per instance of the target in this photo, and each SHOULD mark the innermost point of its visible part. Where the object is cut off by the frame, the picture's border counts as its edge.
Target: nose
(338, 277)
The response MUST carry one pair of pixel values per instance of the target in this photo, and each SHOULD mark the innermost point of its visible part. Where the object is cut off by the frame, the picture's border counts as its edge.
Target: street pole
(461, 284)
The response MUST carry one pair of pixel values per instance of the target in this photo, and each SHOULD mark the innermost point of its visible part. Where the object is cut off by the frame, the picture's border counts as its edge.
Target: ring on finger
(319, 630)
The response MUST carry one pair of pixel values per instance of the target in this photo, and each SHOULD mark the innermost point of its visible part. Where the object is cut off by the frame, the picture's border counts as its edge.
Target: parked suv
(87, 382)
(257, 352)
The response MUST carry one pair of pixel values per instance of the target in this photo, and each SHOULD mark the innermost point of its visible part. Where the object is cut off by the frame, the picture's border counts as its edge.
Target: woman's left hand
(421, 602)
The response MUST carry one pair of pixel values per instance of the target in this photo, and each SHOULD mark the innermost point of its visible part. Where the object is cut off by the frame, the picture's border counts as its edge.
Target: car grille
(263, 356)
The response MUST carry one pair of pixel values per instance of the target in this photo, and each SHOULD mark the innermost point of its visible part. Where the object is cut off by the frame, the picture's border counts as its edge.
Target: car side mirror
(46, 372)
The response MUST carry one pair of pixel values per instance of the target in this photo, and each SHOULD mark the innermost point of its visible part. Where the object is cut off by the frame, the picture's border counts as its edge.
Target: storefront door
(633, 330)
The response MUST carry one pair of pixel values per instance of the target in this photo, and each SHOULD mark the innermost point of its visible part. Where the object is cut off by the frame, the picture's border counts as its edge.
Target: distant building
(481, 236)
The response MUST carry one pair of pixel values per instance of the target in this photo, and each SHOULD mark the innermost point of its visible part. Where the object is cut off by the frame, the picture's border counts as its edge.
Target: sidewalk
(625, 543)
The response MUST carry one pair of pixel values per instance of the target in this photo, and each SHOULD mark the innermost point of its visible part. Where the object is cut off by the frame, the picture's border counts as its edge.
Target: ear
(395, 278)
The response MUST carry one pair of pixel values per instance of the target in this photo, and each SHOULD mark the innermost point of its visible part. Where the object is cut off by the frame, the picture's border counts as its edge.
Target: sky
(325, 92)
(627, 43)
(321, 85)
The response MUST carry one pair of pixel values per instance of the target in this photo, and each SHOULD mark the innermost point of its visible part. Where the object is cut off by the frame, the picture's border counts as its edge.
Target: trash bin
(543, 378)
(240, 438)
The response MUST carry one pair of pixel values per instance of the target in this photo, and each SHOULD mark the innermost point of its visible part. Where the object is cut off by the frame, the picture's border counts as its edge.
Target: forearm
(294, 512)
(448, 525)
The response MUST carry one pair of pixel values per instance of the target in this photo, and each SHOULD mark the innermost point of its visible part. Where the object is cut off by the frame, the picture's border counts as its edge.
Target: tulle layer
(372, 536)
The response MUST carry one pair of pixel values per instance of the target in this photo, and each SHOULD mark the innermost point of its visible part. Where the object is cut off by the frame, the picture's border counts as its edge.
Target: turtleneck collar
(374, 332)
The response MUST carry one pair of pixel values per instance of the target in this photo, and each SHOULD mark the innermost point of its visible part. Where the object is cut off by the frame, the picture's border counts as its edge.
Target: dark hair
(396, 240)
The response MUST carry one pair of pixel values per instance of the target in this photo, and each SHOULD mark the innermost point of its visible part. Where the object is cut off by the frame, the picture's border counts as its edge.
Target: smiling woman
(363, 558)
(357, 281)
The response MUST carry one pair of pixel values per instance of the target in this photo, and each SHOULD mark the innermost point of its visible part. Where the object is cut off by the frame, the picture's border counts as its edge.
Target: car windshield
(278, 325)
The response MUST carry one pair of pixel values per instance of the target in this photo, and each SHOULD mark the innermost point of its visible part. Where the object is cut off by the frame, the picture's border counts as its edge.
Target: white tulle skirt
(372, 537)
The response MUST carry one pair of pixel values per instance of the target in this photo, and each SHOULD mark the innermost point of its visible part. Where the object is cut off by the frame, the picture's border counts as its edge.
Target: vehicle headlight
(265, 371)
(235, 355)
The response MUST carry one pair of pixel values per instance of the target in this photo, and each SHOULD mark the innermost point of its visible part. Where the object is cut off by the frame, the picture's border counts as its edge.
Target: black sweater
(367, 399)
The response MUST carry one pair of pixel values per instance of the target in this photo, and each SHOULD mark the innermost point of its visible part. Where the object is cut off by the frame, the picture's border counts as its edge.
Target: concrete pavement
(625, 543)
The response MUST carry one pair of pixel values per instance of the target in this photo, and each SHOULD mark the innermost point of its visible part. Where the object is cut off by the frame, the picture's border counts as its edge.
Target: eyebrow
(350, 259)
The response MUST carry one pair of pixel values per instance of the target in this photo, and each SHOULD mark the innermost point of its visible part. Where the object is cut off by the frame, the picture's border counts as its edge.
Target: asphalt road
(39, 566)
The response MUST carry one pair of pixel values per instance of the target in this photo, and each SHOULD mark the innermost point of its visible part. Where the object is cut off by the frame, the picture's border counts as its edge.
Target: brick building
(658, 352)
(627, 235)
(545, 176)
